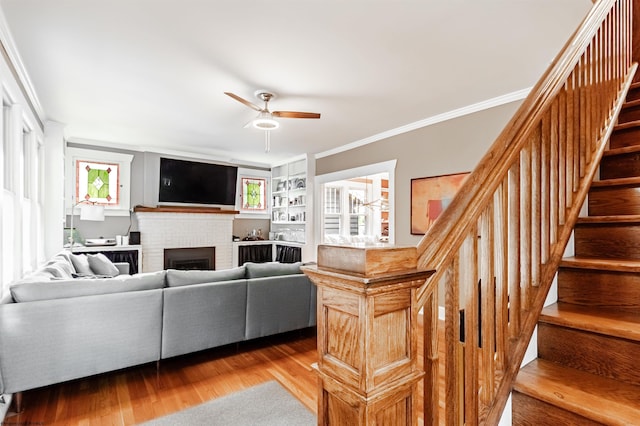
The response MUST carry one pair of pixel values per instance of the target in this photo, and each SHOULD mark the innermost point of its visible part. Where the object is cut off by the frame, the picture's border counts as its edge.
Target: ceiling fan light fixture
(264, 121)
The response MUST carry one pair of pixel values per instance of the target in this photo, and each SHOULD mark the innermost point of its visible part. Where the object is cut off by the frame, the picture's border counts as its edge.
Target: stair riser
(629, 114)
(594, 353)
(607, 289)
(620, 166)
(611, 241)
(633, 94)
(626, 137)
(528, 411)
(614, 200)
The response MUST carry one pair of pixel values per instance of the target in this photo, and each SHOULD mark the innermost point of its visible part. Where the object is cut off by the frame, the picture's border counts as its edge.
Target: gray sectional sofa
(57, 329)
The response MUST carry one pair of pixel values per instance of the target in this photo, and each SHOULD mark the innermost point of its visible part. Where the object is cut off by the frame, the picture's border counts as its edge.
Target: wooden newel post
(368, 371)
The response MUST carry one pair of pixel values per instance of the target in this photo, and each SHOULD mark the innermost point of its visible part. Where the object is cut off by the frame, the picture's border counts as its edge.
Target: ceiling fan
(265, 119)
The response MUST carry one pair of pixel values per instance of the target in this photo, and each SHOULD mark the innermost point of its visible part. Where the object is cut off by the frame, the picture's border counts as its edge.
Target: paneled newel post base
(367, 335)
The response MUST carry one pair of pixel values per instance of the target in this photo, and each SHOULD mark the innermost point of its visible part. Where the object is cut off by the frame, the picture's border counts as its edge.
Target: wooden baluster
(600, 117)
(430, 356)
(576, 126)
(586, 124)
(570, 140)
(454, 361)
(562, 155)
(488, 304)
(525, 226)
(468, 273)
(536, 200)
(545, 186)
(513, 264)
(554, 162)
(583, 111)
(501, 250)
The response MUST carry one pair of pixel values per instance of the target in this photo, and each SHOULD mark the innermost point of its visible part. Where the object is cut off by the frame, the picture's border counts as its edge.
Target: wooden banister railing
(497, 247)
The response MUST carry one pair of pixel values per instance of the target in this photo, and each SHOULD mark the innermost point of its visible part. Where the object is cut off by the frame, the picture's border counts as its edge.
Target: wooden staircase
(588, 366)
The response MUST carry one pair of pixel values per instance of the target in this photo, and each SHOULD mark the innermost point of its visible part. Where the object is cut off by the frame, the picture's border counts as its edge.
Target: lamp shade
(91, 212)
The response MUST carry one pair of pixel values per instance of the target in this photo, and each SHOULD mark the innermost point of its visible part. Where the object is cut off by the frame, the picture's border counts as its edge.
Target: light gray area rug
(267, 404)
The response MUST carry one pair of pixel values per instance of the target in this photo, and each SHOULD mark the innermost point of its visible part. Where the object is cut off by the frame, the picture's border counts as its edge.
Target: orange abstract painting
(430, 196)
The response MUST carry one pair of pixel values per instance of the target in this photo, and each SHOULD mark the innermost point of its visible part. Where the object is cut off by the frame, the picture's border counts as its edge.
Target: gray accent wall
(452, 146)
(145, 171)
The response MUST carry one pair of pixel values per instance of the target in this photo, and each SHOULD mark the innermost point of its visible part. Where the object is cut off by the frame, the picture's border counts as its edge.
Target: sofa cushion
(81, 263)
(101, 265)
(56, 271)
(33, 291)
(271, 269)
(177, 278)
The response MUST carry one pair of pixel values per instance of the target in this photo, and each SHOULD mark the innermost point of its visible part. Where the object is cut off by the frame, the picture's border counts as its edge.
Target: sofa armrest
(123, 267)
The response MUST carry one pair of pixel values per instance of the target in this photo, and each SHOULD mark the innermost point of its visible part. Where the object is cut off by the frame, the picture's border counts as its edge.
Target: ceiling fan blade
(243, 101)
(295, 114)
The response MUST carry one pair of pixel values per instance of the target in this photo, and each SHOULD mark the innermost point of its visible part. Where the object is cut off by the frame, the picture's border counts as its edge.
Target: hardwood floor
(138, 394)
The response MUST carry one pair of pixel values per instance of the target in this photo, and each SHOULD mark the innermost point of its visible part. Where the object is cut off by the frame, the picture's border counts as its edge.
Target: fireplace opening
(190, 258)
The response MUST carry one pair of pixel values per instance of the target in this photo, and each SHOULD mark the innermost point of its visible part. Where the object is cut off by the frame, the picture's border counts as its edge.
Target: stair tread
(621, 323)
(628, 181)
(623, 150)
(595, 397)
(631, 104)
(621, 265)
(627, 218)
(627, 125)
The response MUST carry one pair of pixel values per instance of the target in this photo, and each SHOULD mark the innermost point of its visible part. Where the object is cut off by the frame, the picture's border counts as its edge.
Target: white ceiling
(151, 73)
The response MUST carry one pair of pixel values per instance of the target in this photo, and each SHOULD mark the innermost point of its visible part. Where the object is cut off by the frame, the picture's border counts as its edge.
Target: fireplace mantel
(183, 209)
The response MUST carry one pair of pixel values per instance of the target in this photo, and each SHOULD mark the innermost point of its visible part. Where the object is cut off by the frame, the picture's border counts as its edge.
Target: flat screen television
(193, 182)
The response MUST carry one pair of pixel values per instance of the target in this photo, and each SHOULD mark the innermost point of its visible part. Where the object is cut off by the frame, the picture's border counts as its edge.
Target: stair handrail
(498, 245)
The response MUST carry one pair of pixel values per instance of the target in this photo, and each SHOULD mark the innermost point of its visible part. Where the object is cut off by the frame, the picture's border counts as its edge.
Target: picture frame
(430, 196)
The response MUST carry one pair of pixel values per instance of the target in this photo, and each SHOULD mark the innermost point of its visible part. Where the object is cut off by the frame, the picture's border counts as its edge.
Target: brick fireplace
(172, 228)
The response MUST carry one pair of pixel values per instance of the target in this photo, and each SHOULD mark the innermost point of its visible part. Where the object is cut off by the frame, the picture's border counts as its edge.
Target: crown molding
(14, 62)
(167, 151)
(449, 115)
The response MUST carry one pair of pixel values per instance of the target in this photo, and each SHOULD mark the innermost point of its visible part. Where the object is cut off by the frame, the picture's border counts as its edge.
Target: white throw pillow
(81, 264)
(101, 265)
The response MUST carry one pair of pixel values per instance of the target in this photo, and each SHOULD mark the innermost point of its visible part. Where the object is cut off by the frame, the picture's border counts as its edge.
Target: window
(21, 199)
(6, 148)
(356, 208)
(358, 213)
(27, 163)
(99, 176)
(332, 203)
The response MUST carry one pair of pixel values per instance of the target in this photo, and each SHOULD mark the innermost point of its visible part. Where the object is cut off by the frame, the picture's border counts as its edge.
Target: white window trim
(253, 173)
(124, 162)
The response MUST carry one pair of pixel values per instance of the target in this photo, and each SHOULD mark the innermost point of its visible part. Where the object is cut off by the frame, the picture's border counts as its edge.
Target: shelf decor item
(430, 196)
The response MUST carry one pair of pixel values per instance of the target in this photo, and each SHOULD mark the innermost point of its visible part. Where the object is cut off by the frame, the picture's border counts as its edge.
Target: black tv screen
(197, 183)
